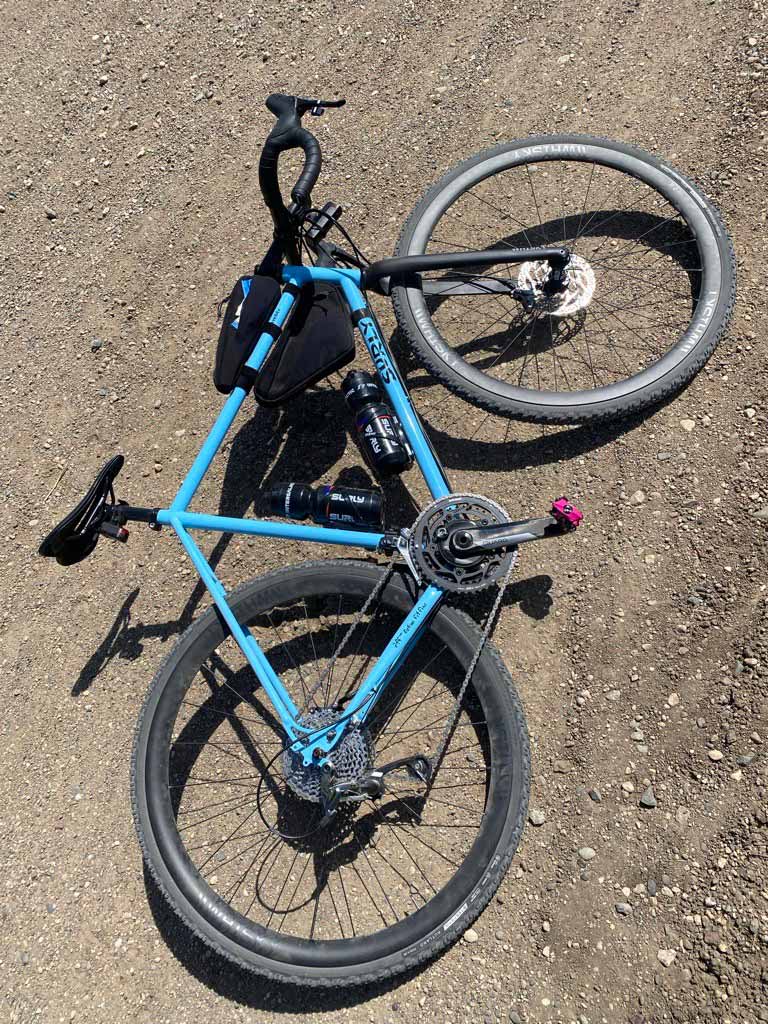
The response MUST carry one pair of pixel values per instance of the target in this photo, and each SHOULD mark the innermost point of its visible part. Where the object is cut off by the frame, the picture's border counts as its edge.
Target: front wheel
(229, 824)
(650, 288)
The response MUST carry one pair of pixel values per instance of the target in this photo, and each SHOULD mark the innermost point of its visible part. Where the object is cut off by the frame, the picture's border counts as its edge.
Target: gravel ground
(129, 135)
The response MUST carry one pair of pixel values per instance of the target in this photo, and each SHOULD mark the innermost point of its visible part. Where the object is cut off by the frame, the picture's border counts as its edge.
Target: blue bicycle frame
(314, 745)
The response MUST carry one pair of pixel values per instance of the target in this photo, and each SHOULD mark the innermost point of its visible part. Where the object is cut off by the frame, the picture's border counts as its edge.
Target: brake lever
(320, 106)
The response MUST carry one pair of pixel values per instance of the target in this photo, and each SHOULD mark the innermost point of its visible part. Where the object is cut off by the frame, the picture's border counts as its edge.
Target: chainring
(431, 556)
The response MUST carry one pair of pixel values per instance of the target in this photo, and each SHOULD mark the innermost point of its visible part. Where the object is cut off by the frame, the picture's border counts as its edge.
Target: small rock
(562, 767)
(688, 425)
(515, 1018)
(586, 853)
(537, 817)
(745, 760)
(673, 700)
(103, 79)
(715, 755)
(648, 799)
(666, 957)
(595, 795)
(651, 887)
(628, 786)
(470, 935)
(761, 514)
(624, 909)
(750, 413)
(96, 344)
(49, 213)
(637, 498)
(664, 456)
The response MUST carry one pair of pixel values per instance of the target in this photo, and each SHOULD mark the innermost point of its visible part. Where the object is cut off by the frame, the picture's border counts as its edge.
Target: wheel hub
(578, 292)
(351, 757)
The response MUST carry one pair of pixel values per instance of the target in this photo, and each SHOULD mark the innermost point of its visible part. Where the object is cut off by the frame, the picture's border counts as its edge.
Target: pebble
(470, 935)
(515, 1018)
(745, 760)
(96, 344)
(103, 79)
(715, 755)
(624, 909)
(628, 786)
(637, 498)
(595, 795)
(664, 456)
(49, 213)
(688, 425)
(666, 957)
(586, 853)
(673, 700)
(562, 767)
(638, 736)
(651, 886)
(648, 799)
(537, 817)
(761, 514)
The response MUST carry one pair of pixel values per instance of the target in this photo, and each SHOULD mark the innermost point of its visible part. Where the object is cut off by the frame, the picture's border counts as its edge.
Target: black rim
(632, 223)
(384, 876)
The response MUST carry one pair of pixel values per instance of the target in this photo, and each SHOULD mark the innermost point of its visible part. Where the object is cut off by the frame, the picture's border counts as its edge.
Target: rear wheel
(651, 282)
(229, 825)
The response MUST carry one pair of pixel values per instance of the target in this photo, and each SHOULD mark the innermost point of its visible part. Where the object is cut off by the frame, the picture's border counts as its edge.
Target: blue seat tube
(231, 408)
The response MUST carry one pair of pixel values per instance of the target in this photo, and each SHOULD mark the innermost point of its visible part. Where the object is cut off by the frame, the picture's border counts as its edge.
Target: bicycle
(331, 770)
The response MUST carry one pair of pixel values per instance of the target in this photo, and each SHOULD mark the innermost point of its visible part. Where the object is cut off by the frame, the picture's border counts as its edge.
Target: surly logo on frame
(378, 352)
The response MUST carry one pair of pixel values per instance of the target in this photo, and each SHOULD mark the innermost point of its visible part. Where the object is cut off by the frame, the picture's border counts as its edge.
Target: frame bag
(249, 306)
(317, 340)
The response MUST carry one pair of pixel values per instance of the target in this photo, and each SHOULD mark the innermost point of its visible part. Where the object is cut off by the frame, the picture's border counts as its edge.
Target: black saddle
(75, 537)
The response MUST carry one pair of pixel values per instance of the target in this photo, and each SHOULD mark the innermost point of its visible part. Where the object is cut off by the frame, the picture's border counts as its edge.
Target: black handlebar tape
(311, 172)
(288, 133)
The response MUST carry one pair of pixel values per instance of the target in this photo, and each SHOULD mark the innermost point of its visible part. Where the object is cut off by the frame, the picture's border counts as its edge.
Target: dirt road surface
(129, 138)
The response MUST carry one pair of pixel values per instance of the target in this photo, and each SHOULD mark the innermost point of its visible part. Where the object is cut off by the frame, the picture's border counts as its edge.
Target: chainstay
(325, 676)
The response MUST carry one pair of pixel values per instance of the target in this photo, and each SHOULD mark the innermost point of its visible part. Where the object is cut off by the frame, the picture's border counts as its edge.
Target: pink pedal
(565, 512)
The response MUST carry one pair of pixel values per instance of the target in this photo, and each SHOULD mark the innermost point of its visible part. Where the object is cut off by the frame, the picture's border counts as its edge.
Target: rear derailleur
(371, 785)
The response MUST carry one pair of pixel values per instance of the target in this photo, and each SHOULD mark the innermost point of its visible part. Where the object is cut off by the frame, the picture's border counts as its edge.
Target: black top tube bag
(317, 339)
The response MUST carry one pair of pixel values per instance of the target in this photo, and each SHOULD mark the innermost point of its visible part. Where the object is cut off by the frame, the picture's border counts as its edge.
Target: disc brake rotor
(578, 292)
(432, 557)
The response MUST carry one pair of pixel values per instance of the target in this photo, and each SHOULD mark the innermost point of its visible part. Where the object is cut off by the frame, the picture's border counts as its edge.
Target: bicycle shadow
(304, 442)
(299, 442)
(230, 981)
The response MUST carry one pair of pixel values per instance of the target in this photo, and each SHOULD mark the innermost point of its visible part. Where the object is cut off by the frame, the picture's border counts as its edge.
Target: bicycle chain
(489, 622)
(322, 679)
(436, 758)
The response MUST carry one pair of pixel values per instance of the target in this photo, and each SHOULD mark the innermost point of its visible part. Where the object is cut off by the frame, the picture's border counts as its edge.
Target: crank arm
(565, 517)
